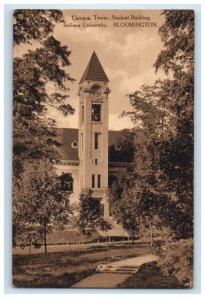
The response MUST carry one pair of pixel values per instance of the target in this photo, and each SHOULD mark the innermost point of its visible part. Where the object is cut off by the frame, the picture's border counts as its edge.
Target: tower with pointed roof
(93, 132)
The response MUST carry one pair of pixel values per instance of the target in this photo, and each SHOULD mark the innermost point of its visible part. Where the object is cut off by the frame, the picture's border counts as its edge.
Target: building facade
(92, 156)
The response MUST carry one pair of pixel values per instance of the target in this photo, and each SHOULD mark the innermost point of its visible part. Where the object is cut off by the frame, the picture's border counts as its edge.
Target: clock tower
(93, 132)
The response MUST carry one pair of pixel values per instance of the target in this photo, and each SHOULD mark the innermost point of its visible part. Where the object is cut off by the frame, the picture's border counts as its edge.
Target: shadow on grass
(65, 280)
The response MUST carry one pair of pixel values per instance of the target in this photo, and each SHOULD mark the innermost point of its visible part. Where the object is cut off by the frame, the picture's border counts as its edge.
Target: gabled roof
(115, 154)
(66, 136)
(94, 70)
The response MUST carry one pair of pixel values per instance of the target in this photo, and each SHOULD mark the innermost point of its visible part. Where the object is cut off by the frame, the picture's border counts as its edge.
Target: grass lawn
(149, 276)
(61, 269)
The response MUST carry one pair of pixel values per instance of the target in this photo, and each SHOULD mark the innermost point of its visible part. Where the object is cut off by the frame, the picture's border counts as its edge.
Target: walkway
(101, 280)
(114, 273)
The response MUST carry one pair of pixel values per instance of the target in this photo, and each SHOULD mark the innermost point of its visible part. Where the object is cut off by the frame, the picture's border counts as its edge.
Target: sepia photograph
(103, 148)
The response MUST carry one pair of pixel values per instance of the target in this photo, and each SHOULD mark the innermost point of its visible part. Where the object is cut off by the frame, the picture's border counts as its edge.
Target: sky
(127, 55)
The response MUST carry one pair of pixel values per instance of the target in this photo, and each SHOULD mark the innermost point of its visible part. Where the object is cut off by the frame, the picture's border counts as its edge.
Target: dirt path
(101, 280)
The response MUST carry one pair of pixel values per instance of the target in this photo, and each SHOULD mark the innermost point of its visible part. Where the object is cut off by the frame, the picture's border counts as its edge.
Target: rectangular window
(96, 161)
(82, 141)
(82, 114)
(96, 140)
(99, 179)
(97, 137)
(93, 181)
(96, 112)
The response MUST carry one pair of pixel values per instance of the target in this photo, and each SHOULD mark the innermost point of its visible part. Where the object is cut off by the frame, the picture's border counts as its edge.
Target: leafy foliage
(149, 276)
(162, 180)
(34, 24)
(177, 34)
(124, 205)
(32, 97)
(90, 217)
(40, 81)
(39, 204)
(178, 261)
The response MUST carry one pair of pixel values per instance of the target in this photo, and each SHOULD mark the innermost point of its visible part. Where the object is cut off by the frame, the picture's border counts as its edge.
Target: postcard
(103, 143)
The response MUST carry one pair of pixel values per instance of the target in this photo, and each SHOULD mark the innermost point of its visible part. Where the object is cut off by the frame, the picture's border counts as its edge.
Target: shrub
(177, 260)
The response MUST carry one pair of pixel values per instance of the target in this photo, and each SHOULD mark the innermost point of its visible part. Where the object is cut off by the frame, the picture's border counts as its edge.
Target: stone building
(92, 156)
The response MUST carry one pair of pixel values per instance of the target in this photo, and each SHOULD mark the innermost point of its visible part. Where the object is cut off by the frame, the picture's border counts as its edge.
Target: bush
(177, 260)
(149, 276)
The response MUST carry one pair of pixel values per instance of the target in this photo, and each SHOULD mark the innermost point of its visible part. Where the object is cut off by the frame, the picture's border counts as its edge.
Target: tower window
(93, 181)
(96, 112)
(99, 179)
(82, 141)
(82, 114)
(96, 161)
(96, 140)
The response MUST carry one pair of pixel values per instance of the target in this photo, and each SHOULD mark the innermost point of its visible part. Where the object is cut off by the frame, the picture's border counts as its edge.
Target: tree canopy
(30, 25)
(39, 203)
(162, 114)
(40, 81)
(90, 217)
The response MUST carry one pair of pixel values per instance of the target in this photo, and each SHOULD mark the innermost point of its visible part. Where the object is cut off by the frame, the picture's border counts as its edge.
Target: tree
(32, 97)
(156, 161)
(162, 180)
(124, 205)
(178, 262)
(40, 204)
(40, 81)
(32, 25)
(90, 216)
(177, 35)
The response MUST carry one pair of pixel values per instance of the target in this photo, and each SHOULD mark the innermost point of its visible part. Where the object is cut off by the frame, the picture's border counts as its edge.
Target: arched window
(66, 182)
(96, 112)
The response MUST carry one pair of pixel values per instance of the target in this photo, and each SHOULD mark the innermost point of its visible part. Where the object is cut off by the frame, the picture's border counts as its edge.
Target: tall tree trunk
(45, 242)
(151, 236)
(13, 236)
(133, 238)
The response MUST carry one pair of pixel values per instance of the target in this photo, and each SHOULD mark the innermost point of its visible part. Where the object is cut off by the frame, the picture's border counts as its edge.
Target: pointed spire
(94, 70)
